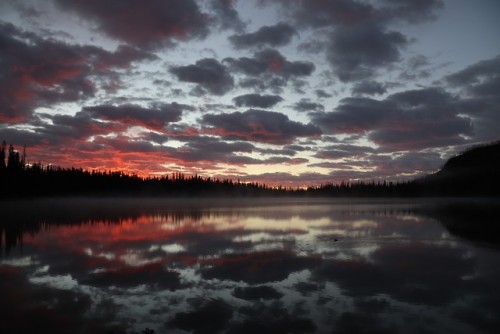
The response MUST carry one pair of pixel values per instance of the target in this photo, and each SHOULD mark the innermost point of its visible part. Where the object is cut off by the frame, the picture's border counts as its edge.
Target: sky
(282, 92)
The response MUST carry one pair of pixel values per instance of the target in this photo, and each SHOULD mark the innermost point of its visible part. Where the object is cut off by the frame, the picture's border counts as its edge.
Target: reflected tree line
(18, 179)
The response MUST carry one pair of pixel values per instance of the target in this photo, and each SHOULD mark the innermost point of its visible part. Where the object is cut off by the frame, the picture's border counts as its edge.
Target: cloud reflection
(278, 265)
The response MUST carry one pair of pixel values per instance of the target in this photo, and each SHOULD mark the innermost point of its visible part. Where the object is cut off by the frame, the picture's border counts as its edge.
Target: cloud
(369, 88)
(479, 84)
(257, 293)
(408, 279)
(479, 79)
(354, 115)
(411, 11)
(203, 148)
(270, 61)
(307, 105)
(152, 274)
(226, 16)
(413, 119)
(343, 151)
(212, 317)
(271, 36)
(132, 22)
(48, 307)
(356, 33)
(258, 125)
(42, 72)
(275, 317)
(154, 117)
(321, 94)
(356, 52)
(208, 73)
(256, 268)
(319, 13)
(257, 101)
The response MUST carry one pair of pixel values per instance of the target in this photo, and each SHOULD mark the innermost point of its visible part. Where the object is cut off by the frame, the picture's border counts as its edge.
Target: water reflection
(269, 266)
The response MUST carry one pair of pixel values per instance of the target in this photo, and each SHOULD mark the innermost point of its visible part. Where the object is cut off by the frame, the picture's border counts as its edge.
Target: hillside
(475, 172)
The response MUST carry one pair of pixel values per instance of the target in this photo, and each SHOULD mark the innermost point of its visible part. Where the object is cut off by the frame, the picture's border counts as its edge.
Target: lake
(249, 266)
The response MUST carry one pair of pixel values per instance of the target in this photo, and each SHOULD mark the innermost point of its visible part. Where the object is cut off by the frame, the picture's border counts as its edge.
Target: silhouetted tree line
(463, 178)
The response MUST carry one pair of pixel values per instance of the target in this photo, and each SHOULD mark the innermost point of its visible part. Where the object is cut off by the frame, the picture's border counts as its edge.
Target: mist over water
(263, 265)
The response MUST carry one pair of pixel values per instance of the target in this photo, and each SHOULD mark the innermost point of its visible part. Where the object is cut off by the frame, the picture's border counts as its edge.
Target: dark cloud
(354, 115)
(270, 36)
(343, 151)
(321, 94)
(259, 125)
(307, 105)
(284, 161)
(356, 52)
(409, 278)
(270, 61)
(97, 121)
(257, 101)
(154, 117)
(47, 308)
(152, 274)
(65, 129)
(284, 151)
(351, 322)
(369, 88)
(479, 85)
(356, 33)
(274, 318)
(144, 26)
(418, 67)
(257, 293)
(257, 268)
(20, 136)
(203, 148)
(39, 73)
(210, 317)
(208, 73)
(408, 120)
(480, 79)
(226, 16)
(319, 13)
(411, 11)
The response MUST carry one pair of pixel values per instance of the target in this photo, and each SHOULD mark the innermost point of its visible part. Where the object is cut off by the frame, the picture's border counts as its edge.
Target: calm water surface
(262, 266)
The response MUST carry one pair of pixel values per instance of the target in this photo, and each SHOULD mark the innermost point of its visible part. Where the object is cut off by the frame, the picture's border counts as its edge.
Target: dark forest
(475, 172)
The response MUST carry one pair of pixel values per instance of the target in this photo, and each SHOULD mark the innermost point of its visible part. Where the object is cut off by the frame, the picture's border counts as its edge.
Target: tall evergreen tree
(13, 160)
(3, 156)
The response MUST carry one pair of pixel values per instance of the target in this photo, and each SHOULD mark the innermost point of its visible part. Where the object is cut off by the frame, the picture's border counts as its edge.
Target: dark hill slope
(476, 172)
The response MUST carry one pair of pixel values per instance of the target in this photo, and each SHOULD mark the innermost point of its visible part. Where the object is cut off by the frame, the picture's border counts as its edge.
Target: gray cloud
(321, 94)
(319, 13)
(480, 84)
(411, 11)
(203, 148)
(208, 73)
(40, 72)
(226, 16)
(369, 88)
(272, 62)
(257, 101)
(343, 151)
(271, 36)
(153, 117)
(482, 78)
(404, 121)
(260, 126)
(145, 26)
(307, 105)
(356, 52)
(358, 40)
